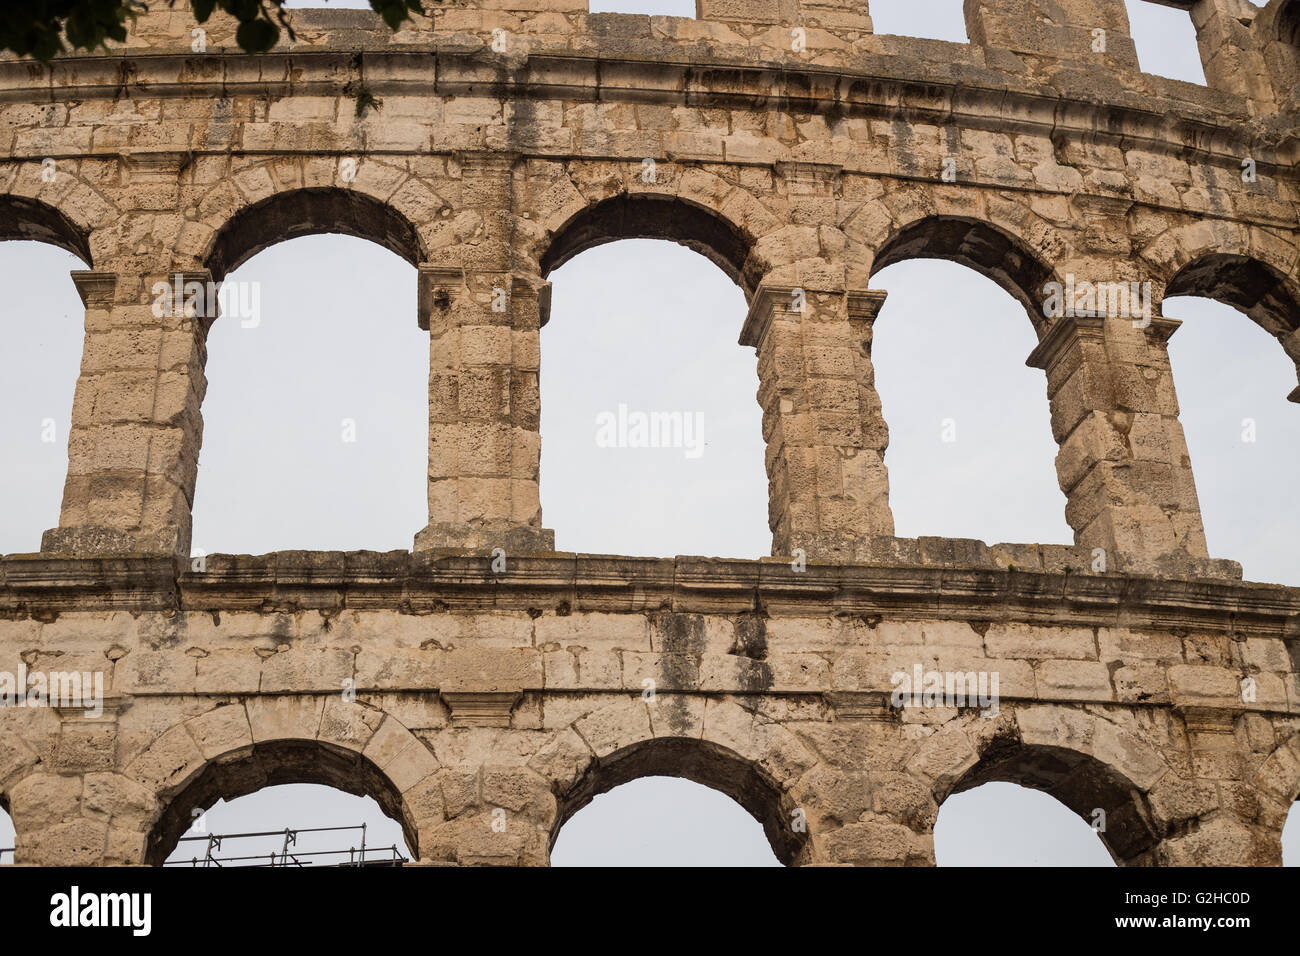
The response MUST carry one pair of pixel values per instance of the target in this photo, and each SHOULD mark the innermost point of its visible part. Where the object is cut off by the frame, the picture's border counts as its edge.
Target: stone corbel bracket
(472, 708)
(772, 300)
(810, 179)
(95, 288)
(1064, 333)
(161, 166)
(540, 291)
(211, 304)
(437, 286)
(860, 705)
(110, 708)
(1209, 719)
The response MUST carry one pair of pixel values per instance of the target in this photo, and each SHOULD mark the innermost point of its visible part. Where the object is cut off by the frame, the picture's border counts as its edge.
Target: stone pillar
(1230, 53)
(484, 410)
(1277, 31)
(493, 813)
(484, 319)
(1123, 461)
(136, 424)
(822, 420)
(1231, 827)
(1055, 30)
(76, 810)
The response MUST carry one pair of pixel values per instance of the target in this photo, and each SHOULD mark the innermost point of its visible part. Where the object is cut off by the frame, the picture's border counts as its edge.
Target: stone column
(76, 810)
(1278, 33)
(136, 424)
(1049, 31)
(1123, 461)
(822, 420)
(484, 321)
(484, 410)
(1227, 823)
(1230, 53)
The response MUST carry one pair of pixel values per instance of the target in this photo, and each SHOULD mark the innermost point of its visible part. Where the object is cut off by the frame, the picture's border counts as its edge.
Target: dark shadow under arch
(700, 762)
(23, 218)
(310, 212)
(979, 246)
(1082, 783)
(1260, 291)
(1288, 23)
(250, 769)
(653, 217)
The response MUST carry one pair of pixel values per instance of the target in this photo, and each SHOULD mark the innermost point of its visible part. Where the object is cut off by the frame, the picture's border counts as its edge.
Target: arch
(31, 219)
(270, 764)
(307, 212)
(988, 249)
(652, 216)
(1081, 782)
(702, 762)
(1086, 761)
(1277, 787)
(1279, 774)
(1253, 287)
(1004, 824)
(234, 749)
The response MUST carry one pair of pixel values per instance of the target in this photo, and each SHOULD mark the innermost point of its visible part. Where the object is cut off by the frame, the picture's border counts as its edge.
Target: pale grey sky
(652, 326)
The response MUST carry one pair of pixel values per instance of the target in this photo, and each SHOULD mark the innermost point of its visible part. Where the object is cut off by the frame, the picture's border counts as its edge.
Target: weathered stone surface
(482, 704)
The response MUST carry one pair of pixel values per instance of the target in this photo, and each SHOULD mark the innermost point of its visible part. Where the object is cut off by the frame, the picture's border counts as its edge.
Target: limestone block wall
(453, 694)
(542, 130)
(801, 153)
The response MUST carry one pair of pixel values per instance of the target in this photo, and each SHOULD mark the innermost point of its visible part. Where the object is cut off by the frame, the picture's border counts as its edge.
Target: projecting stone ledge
(957, 578)
(512, 539)
(95, 539)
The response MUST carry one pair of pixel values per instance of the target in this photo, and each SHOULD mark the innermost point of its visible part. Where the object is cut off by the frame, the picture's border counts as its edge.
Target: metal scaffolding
(356, 856)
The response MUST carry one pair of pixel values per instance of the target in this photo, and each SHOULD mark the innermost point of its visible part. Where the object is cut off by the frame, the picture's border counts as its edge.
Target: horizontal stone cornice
(39, 586)
(1213, 131)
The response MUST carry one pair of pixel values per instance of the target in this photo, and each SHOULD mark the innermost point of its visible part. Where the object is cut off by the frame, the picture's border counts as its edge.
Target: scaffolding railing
(356, 856)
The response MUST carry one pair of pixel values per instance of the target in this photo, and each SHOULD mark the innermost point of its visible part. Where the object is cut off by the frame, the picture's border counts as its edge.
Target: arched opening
(292, 824)
(269, 767)
(30, 219)
(628, 216)
(1241, 438)
(42, 327)
(316, 413)
(662, 821)
(971, 452)
(1103, 802)
(1263, 293)
(689, 759)
(1003, 824)
(979, 246)
(309, 212)
(652, 438)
